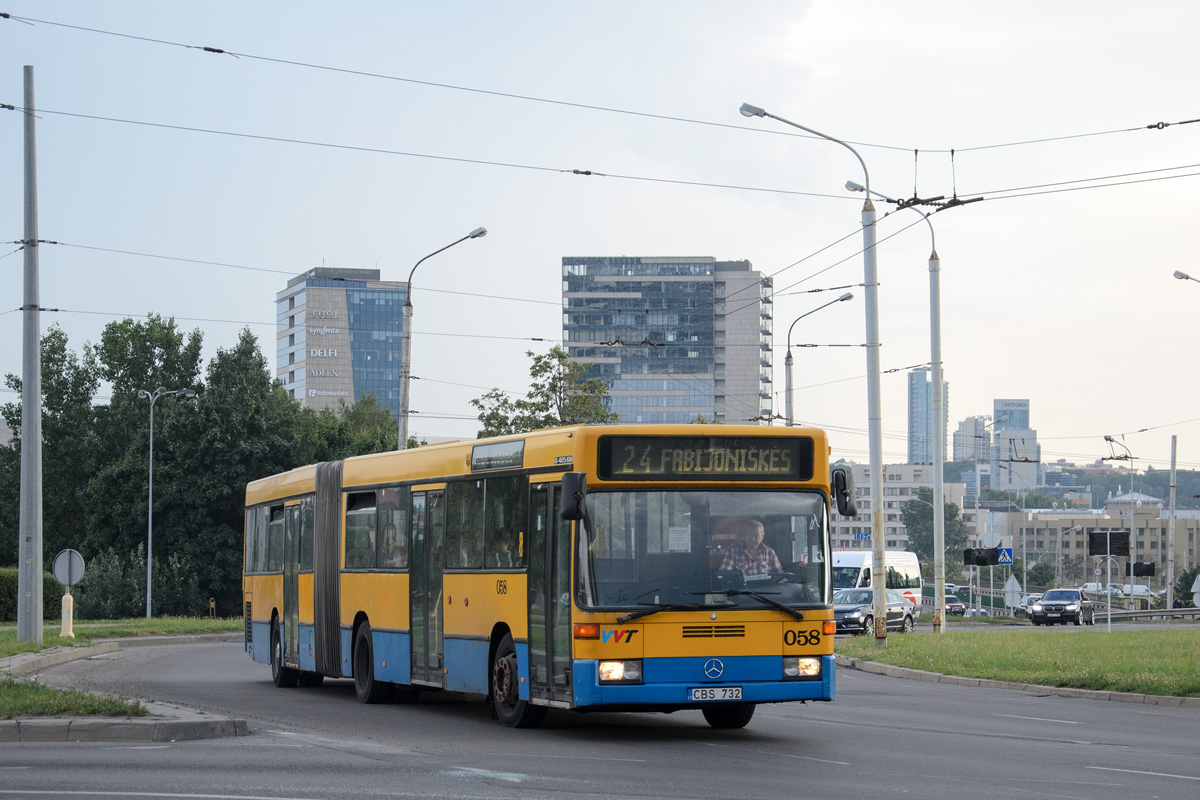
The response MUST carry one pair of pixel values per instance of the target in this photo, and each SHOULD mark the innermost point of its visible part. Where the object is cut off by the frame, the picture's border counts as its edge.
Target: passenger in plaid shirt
(755, 559)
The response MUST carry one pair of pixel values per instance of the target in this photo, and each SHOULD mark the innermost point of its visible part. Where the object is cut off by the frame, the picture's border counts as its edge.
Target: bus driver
(749, 554)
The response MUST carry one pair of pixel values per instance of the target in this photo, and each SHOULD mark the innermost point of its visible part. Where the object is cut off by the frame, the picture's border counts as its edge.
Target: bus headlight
(620, 671)
(797, 667)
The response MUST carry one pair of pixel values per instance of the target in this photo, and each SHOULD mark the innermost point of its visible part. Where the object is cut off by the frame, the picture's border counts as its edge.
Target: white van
(852, 570)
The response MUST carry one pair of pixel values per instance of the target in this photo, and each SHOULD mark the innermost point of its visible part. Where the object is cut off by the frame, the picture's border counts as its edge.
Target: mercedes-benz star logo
(713, 668)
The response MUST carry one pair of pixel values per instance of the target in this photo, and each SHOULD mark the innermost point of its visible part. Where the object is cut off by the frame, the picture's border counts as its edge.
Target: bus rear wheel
(366, 687)
(735, 715)
(506, 700)
(281, 676)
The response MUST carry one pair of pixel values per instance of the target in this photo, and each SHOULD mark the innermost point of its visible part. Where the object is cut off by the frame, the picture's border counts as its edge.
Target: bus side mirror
(842, 481)
(574, 493)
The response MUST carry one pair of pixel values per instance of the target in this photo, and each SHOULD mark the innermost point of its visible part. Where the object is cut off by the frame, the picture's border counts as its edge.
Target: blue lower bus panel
(667, 681)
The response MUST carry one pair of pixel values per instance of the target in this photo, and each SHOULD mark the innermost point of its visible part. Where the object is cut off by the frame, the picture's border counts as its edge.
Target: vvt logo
(617, 636)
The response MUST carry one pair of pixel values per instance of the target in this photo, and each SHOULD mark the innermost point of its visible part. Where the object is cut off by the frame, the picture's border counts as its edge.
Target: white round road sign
(68, 567)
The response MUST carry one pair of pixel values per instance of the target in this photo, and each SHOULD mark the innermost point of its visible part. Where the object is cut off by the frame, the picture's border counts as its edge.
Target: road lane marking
(1039, 719)
(61, 793)
(1144, 772)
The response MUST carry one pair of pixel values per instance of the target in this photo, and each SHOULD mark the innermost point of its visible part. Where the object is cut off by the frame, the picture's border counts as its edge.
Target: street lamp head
(1108, 438)
(143, 393)
(751, 111)
(475, 234)
(846, 296)
(1183, 276)
(855, 187)
(186, 393)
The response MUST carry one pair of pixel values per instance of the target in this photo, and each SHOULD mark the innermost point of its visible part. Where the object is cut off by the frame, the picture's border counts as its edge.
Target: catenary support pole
(29, 576)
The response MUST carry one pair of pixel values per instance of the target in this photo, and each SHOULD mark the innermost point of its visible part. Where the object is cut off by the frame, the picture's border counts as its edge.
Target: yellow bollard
(68, 612)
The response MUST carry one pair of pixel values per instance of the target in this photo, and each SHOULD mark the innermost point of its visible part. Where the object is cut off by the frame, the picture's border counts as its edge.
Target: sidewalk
(165, 723)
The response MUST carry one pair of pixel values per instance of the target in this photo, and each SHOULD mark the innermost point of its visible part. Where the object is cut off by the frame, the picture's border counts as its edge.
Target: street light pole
(406, 340)
(161, 391)
(1058, 552)
(787, 361)
(874, 403)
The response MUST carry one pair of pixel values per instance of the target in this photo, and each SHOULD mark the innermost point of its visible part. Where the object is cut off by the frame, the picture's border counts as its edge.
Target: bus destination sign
(705, 458)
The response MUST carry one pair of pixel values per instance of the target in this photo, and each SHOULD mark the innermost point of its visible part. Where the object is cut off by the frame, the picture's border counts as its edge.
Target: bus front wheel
(735, 715)
(506, 700)
(366, 687)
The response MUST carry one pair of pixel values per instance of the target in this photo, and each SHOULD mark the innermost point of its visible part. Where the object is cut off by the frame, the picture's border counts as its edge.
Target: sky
(194, 184)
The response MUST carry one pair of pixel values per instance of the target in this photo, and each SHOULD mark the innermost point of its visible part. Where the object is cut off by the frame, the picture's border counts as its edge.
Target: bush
(52, 592)
(114, 587)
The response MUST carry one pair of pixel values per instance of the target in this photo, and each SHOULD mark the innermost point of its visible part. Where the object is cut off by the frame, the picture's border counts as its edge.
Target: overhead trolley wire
(571, 104)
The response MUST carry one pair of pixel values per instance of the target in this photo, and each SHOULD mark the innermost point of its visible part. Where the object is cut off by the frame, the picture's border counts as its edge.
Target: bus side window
(464, 524)
(360, 530)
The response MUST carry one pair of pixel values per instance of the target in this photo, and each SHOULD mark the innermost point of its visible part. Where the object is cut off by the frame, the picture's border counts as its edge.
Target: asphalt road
(883, 738)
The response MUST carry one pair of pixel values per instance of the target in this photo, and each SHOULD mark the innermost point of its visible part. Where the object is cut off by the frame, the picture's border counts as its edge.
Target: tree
(68, 386)
(1041, 574)
(917, 515)
(132, 356)
(558, 395)
(1183, 586)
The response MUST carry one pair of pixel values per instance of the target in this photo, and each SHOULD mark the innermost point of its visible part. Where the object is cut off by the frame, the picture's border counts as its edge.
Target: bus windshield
(647, 549)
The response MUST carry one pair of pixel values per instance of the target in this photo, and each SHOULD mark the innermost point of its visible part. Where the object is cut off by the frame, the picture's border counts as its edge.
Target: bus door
(425, 581)
(291, 587)
(549, 597)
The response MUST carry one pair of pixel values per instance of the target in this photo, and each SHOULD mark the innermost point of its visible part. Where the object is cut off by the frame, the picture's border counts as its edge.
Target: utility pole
(29, 576)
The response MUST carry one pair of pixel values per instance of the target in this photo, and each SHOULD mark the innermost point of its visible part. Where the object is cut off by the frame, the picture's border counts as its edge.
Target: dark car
(1063, 605)
(955, 607)
(853, 610)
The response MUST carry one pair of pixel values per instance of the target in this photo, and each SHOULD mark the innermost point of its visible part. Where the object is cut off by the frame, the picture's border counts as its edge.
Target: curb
(876, 668)
(166, 723)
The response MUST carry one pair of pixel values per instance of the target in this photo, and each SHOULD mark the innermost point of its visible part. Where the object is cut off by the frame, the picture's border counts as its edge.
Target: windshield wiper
(645, 612)
(763, 598)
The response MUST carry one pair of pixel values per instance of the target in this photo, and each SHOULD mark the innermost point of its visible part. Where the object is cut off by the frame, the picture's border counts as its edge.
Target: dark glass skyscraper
(674, 338)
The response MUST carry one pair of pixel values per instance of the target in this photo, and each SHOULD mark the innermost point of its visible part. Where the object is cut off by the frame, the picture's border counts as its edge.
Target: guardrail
(1153, 613)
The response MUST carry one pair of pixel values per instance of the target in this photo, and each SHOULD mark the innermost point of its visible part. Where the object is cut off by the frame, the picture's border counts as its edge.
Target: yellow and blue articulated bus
(589, 568)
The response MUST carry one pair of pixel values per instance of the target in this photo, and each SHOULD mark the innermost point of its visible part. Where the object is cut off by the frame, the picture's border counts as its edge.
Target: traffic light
(1100, 542)
(1141, 569)
(981, 557)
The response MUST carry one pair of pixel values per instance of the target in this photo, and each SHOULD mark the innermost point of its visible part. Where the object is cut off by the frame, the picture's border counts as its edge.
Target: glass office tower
(338, 337)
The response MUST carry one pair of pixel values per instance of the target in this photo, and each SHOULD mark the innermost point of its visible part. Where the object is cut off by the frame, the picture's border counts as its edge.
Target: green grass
(1147, 662)
(87, 632)
(27, 699)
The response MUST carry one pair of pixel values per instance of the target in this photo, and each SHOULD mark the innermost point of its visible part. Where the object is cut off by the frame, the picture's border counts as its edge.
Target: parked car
(1063, 605)
(1022, 608)
(853, 610)
(955, 607)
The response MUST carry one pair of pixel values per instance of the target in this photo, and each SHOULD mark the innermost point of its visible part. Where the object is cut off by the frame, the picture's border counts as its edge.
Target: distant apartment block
(973, 439)
(901, 483)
